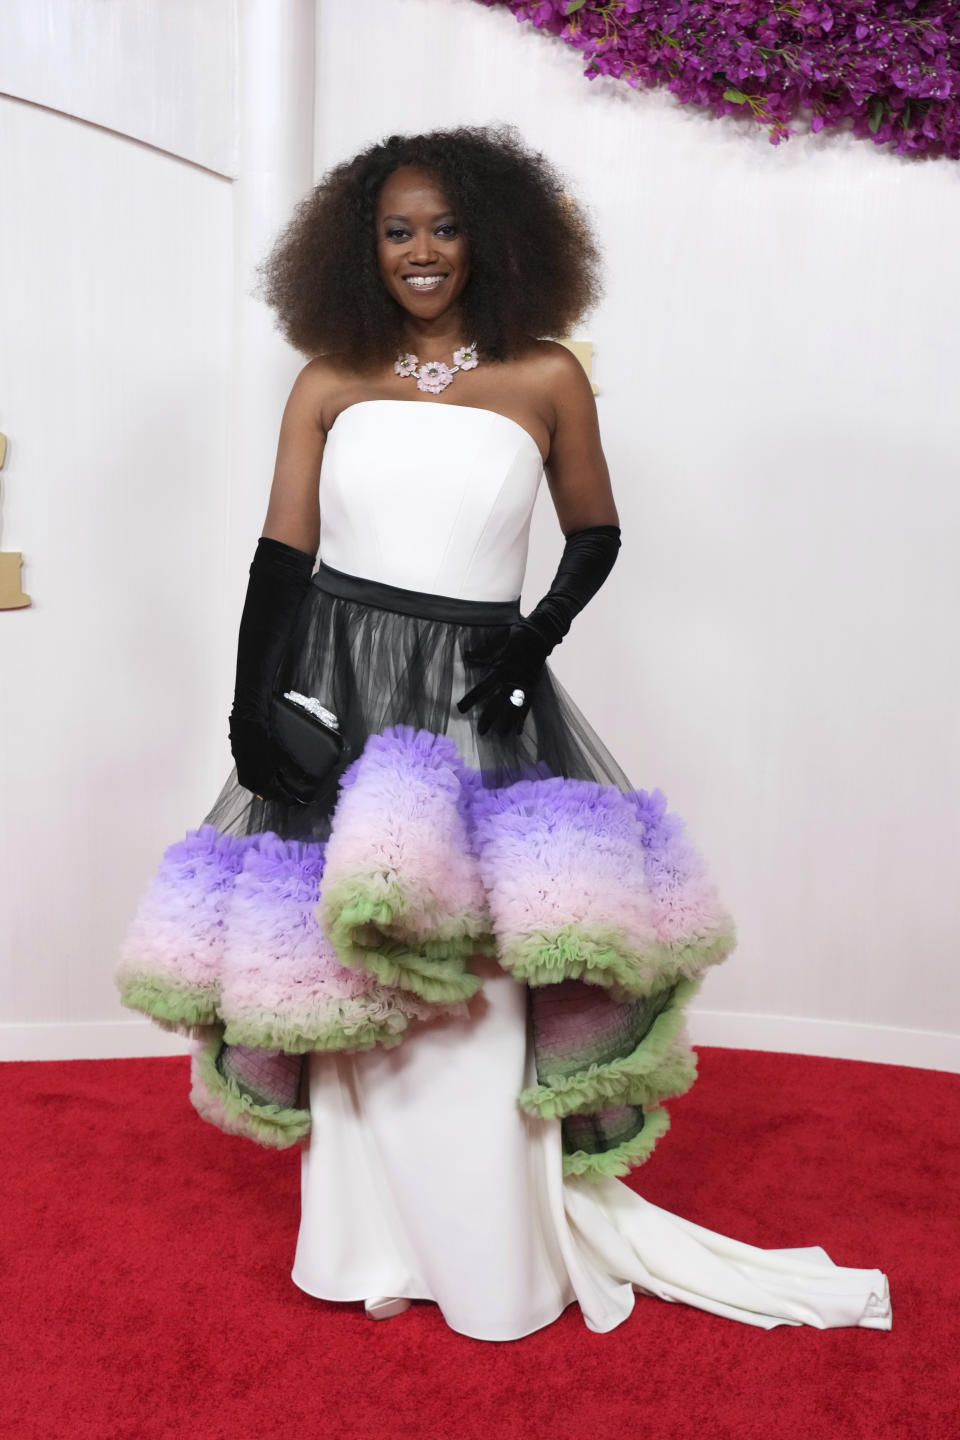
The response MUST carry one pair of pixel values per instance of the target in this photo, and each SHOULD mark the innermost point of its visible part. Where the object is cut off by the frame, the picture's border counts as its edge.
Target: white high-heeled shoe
(383, 1306)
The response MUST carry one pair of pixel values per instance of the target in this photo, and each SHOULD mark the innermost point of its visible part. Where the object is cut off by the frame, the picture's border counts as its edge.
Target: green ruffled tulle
(619, 1160)
(372, 933)
(271, 1125)
(655, 1070)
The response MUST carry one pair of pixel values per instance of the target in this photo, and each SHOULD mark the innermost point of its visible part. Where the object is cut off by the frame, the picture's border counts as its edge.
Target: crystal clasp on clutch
(307, 702)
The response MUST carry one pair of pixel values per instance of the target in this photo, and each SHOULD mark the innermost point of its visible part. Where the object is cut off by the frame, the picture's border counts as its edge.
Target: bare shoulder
(554, 359)
(317, 382)
(559, 379)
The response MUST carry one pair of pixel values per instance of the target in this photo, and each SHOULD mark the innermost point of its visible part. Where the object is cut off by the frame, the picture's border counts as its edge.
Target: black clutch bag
(307, 732)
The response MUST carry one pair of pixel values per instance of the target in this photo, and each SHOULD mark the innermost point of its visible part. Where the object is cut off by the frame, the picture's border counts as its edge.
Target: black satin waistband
(427, 606)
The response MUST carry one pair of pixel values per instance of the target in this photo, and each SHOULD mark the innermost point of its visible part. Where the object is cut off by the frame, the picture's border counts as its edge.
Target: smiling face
(423, 255)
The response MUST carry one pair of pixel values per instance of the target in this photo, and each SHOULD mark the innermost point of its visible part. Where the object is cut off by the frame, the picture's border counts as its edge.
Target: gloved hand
(516, 664)
(263, 767)
(279, 580)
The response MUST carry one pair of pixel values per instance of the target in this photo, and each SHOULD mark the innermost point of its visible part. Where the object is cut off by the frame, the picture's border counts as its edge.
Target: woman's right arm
(279, 580)
(293, 513)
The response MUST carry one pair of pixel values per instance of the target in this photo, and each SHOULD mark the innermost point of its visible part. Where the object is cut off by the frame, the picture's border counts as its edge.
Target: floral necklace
(434, 375)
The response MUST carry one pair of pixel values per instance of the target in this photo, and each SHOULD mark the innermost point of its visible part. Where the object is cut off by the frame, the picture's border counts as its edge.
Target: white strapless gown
(422, 1178)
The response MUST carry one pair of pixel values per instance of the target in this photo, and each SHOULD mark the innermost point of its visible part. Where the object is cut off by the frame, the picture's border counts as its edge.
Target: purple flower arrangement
(892, 67)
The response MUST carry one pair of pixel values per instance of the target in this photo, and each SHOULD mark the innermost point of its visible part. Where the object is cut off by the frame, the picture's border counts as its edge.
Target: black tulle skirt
(380, 655)
(285, 929)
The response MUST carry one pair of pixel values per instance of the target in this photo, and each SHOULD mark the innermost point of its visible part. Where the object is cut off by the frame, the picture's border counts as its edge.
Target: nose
(422, 249)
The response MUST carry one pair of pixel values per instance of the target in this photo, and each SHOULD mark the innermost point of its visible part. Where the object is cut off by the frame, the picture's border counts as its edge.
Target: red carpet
(146, 1291)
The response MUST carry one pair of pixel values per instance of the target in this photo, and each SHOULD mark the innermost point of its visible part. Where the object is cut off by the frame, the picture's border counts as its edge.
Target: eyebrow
(407, 217)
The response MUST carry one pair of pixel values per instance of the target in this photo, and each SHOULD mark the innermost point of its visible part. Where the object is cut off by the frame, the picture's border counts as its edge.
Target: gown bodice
(429, 496)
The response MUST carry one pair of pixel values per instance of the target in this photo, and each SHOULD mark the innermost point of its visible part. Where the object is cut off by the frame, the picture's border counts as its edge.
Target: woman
(475, 833)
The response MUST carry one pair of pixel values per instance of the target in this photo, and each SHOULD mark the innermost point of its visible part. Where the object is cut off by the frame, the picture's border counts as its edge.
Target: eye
(396, 230)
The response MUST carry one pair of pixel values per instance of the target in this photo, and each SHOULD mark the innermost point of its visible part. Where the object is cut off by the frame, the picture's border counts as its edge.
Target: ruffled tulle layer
(591, 896)
(273, 931)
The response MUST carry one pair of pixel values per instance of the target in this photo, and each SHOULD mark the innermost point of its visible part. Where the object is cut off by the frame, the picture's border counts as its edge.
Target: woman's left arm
(580, 487)
(576, 468)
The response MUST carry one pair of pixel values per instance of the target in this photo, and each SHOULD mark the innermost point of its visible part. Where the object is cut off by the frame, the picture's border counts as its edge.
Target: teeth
(424, 282)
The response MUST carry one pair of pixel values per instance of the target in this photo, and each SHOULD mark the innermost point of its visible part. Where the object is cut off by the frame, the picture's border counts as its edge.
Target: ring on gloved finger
(517, 697)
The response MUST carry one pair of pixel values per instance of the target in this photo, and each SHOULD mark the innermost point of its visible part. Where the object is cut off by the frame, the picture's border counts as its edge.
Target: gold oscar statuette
(11, 593)
(583, 349)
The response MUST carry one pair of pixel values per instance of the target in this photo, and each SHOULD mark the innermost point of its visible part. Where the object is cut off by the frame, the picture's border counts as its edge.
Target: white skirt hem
(423, 1179)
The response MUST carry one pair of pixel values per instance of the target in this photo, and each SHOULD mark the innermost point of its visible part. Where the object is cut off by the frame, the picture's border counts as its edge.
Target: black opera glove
(279, 580)
(516, 665)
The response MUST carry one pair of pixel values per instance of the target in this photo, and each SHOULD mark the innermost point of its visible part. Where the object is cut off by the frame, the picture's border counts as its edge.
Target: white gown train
(423, 1179)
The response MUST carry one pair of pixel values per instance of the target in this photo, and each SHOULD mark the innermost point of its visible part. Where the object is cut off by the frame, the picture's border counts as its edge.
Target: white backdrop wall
(141, 389)
(777, 401)
(161, 71)
(115, 400)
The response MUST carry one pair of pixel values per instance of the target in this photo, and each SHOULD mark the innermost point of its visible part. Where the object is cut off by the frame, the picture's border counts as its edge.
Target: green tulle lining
(188, 1012)
(194, 1014)
(270, 1125)
(370, 933)
(622, 1158)
(356, 1033)
(655, 1070)
(599, 958)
